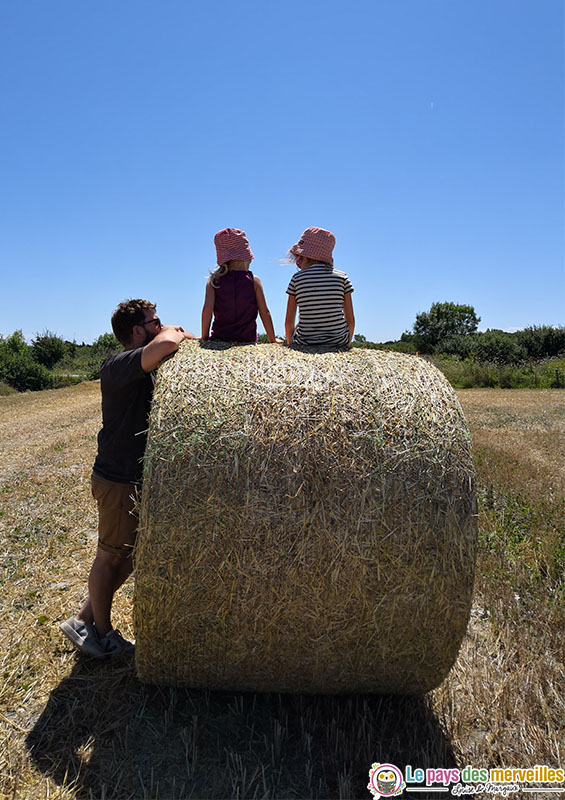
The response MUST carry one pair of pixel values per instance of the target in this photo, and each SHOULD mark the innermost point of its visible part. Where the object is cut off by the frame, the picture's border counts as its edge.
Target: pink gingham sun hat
(231, 243)
(315, 243)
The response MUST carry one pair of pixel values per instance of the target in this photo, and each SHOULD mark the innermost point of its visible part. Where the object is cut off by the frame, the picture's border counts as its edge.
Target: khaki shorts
(117, 514)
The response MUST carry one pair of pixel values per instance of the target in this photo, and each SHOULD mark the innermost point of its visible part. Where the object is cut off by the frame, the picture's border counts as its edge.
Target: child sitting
(234, 295)
(321, 293)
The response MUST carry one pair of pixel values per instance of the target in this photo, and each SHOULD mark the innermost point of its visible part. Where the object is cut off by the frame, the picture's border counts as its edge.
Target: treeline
(494, 346)
(50, 362)
(500, 347)
(446, 334)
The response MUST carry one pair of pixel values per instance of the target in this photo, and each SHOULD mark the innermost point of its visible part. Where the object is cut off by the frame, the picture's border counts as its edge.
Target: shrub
(469, 374)
(105, 345)
(48, 349)
(60, 381)
(96, 353)
(17, 367)
(542, 341)
(460, 346)
(5, 389)
(402, 346)
(14, 344)
(498, 347)
(494, 346)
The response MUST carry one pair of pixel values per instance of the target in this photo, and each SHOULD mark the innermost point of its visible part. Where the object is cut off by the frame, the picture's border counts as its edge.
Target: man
(126, 382)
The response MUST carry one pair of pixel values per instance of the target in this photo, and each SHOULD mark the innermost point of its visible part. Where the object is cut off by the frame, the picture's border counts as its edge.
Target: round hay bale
(308, 522)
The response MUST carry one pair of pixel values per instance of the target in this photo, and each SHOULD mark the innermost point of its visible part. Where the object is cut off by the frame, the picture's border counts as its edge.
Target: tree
(15, 344)
(17, 367)
(493, 346)
(542, 341)
(499, 347)
(105, 345)
(442, 321)
(47, 349)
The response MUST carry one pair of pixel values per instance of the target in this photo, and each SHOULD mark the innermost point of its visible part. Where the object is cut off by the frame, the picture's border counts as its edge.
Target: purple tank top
(235, 308)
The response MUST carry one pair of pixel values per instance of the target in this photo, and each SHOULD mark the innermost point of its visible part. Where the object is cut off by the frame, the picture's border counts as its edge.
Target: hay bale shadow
(106, 735)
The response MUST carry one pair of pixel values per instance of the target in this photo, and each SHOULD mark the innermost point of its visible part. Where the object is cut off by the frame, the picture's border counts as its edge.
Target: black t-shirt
(127, 392)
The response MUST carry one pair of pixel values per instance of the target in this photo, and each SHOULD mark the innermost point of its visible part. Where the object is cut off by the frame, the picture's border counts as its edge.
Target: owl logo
(385, 780)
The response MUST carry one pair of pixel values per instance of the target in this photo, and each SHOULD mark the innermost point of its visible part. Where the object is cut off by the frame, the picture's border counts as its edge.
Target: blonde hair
(218, 273)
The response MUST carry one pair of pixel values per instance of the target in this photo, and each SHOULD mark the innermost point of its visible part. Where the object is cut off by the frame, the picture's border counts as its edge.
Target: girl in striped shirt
(321, 294)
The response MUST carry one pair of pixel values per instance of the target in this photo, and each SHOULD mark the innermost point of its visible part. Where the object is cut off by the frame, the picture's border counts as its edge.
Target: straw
(308, 522)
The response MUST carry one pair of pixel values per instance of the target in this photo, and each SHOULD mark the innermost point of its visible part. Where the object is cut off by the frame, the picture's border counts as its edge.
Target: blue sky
(426, 134)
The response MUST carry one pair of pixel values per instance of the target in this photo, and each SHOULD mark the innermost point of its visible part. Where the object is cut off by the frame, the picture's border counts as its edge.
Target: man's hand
(179, 329)
(166, 342)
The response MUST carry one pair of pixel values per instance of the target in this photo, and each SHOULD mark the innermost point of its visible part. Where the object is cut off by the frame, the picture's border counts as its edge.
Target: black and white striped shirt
(320, 291)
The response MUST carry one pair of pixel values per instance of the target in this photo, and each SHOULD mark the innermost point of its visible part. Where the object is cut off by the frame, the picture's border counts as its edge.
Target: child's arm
(290, 317)
(264, 312)
(348, 314)
(208, 309)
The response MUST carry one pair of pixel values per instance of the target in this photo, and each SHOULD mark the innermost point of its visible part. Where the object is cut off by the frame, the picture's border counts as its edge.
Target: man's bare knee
(113, 560)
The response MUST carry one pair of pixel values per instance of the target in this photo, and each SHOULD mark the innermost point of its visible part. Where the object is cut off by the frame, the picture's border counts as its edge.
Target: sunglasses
(156, 320)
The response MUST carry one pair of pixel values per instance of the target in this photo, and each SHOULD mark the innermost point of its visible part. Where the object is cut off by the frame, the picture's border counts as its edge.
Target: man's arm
(208, 309)
(348, 314)
(166, 342)
(291, 307)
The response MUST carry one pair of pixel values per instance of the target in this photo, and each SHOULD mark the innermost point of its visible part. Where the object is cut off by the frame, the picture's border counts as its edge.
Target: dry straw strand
(308, 522)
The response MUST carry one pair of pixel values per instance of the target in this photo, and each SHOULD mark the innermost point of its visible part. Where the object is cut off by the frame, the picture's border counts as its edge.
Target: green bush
(541, 341)
(17, 367)
(6, 390)
(14, 344)
(459, 346)
(105, 345)
(398, 347)
(470, 374)
(497, 347)
(60, 381)
(48, 349)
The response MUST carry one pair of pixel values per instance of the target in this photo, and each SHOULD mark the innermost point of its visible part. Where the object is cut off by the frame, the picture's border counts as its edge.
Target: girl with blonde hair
(234, 295)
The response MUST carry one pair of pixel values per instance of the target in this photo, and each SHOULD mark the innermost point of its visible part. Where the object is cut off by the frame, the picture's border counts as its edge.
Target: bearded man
(126, 382)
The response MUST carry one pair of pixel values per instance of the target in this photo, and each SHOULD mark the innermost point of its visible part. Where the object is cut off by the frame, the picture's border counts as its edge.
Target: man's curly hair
(128, 314)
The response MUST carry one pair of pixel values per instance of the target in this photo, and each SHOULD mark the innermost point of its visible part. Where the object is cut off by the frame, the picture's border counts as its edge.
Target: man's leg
(108, 572)
(91, 630)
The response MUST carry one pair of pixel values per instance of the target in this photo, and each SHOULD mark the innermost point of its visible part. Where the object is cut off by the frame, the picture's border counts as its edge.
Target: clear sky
(426, 134)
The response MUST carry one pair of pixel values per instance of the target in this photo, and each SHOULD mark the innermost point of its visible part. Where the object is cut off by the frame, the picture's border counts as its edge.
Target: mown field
(73, 728)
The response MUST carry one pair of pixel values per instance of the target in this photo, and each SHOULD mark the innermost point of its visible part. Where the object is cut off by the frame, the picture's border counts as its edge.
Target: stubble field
(74, 728)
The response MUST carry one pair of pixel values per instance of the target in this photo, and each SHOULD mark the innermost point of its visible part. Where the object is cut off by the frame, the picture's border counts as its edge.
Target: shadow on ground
(110, 736)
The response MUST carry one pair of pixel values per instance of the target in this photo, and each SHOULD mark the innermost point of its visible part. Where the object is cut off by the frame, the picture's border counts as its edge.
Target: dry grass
(513, 659)
(75, 729)
(308, 522)
(524, 427)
